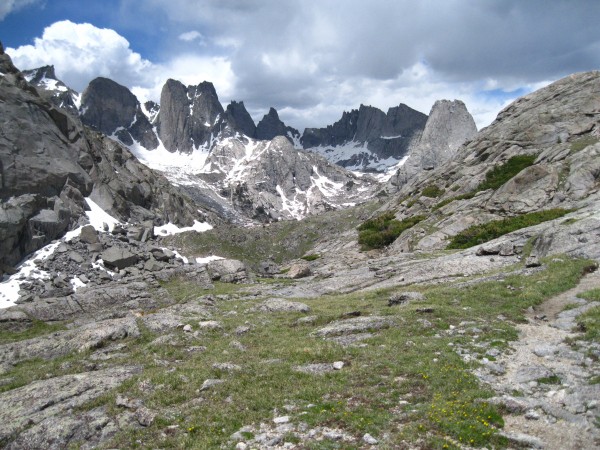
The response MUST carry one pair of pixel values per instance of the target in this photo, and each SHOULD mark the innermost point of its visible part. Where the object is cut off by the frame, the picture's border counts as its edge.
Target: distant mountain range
(192, 118)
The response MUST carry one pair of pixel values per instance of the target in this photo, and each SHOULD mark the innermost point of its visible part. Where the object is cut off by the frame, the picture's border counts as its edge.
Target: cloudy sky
(312, 59)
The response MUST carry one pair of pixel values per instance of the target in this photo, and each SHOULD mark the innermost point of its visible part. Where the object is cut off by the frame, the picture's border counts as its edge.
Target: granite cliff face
(449, 125)
(367, 138)
(188, 116)
(49, 164)
(112, 109)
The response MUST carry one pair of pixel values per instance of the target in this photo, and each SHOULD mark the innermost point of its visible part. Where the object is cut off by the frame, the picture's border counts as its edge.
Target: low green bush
(504, 172)
(478, 234)
(432, 191)
(311, 257)
(383, 230)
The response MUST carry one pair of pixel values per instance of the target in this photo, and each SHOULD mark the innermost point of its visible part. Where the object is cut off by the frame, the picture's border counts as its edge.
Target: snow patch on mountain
(354, 153)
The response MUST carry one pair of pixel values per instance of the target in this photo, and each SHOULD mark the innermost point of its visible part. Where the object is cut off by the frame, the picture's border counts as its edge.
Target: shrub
(478, 234)
(432, 191)
(494, 178)
(311, 257)
(383, 230)
(501, 174)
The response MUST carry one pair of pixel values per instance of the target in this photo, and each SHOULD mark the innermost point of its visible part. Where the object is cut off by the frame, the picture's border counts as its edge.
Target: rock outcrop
(449, 125)
(271, 180)
(556, 128)
(367, 138)
(189, 116)
(112, 109)
(270, 126)
(48, 85)
(49, 162)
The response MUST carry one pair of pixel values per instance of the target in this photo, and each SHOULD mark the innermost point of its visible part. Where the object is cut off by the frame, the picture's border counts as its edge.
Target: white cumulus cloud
(8, 6)
(81, 52)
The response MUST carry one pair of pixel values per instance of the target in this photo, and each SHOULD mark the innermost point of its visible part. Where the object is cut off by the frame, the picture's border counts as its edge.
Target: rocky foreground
(153, 351)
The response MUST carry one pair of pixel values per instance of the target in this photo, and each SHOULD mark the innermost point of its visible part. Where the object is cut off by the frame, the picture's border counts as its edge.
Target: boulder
(401, 298)
(89, 235)
(118, 258)
(228, 270)
(299, 270)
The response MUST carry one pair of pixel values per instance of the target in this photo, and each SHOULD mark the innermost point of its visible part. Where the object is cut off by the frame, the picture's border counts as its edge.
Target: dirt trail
(545, 380)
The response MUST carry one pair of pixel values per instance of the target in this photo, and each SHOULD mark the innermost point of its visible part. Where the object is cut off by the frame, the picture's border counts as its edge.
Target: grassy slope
(281, 241)
(408, 381)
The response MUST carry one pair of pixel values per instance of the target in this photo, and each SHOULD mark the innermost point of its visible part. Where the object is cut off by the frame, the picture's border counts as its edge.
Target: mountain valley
(177, 276)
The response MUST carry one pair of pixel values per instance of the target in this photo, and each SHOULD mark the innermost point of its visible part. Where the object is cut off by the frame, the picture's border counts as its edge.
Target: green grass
(593, 295)
(37, 328)
(478, 234)
(589, 322)
(407, 382)
(499, 175)
(384, 229)
(582, 143)
(432, 191)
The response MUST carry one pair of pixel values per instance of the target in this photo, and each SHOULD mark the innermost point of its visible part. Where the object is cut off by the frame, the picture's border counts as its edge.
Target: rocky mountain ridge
(368, 138)
(49, 164)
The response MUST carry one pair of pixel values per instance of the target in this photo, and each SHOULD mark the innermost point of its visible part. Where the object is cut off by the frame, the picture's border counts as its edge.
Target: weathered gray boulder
(89, 235)
(228, 270)
(118, 258)
(299, 270)
(354, 325)
(53, 401)
(61, 343)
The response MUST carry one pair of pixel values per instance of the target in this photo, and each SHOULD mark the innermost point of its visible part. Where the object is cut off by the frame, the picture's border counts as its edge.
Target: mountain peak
(363, 137)
(271, 126)
(188, 115)
(34, 76)
(112, 109)
(239, 119)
